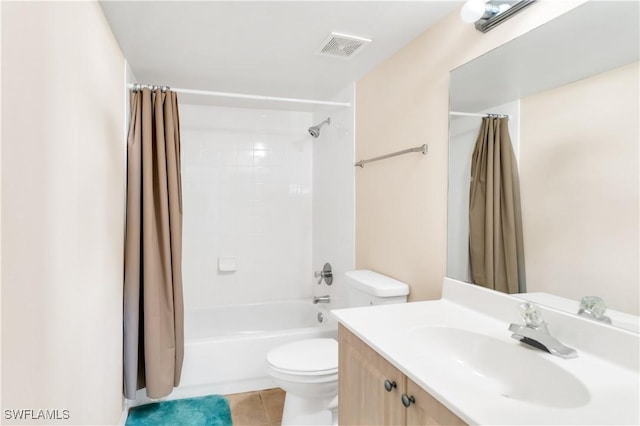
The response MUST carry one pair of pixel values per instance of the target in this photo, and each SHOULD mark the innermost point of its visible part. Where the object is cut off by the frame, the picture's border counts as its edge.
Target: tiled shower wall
(334, 198)
(247, 197)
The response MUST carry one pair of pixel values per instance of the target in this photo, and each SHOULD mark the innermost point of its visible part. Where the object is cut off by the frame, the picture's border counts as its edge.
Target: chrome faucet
(593, 307)
(535, 333)
(321, 299)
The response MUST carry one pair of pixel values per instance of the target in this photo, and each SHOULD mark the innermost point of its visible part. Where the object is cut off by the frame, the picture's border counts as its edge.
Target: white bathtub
(226, 346)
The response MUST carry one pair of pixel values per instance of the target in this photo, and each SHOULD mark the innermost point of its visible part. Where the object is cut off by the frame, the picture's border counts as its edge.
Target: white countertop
(607, 364)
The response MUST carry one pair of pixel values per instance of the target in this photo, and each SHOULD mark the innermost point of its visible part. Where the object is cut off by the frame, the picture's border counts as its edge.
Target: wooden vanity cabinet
(371, 390)
(362, 397)
(426, 410)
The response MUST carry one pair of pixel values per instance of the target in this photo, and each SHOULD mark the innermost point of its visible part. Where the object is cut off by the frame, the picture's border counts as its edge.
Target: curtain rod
(137, 86)
(422, 148)
(473, 114)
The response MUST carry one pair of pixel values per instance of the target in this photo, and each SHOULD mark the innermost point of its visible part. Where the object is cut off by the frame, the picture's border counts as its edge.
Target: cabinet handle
(389, 386)
(407, 400)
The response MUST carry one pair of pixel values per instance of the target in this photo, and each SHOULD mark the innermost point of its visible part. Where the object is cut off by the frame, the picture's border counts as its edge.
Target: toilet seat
(309, 357)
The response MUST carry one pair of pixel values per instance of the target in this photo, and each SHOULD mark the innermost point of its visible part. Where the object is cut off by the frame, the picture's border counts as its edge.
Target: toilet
(307, 369)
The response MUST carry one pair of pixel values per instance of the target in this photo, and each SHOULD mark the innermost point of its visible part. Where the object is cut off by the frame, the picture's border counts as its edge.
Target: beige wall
(62, 211)
(580, 188)
(401, 203)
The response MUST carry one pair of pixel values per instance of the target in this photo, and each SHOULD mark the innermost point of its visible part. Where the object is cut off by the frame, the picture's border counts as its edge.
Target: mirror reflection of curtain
(495, 219)
(153, 303)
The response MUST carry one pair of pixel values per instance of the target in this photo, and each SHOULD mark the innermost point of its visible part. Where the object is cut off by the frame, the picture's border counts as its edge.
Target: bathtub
(226, 346)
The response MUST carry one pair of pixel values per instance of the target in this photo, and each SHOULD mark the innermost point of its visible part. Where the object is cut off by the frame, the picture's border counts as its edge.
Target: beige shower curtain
(153, 307)
(495, 220)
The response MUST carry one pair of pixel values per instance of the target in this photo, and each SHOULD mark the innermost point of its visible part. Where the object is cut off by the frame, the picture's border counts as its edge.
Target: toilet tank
(365, 287)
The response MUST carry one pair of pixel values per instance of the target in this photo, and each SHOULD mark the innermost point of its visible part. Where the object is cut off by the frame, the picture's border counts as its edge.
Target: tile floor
(260, 408)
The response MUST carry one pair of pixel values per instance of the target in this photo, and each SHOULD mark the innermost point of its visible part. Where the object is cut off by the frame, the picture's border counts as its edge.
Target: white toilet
(308, 369)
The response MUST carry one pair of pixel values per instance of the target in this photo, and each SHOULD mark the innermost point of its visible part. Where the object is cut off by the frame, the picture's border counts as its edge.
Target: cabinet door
(426, 410)
(363, 399)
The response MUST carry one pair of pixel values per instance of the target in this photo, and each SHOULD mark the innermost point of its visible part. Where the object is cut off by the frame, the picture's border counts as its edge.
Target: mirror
(571, 90)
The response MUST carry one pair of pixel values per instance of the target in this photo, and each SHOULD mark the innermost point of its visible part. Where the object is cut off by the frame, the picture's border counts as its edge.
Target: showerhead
(315, 130)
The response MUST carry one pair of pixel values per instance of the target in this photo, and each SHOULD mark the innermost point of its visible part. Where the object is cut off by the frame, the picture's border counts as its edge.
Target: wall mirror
(570, 88)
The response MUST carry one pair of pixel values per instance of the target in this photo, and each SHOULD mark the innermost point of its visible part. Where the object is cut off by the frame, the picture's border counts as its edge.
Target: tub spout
(321, 299)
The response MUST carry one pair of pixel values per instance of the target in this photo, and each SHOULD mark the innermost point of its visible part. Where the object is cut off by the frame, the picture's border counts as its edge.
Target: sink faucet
(321, 299)
(535, 333)
(593, 307)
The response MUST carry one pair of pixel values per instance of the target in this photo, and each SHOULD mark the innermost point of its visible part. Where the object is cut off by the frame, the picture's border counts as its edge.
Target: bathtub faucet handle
(326, 274)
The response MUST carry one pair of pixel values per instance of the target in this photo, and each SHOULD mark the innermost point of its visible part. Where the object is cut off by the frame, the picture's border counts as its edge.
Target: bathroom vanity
(375, 392)
(454, 361)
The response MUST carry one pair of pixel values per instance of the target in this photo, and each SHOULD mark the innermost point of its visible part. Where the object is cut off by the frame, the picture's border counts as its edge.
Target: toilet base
(306, 411)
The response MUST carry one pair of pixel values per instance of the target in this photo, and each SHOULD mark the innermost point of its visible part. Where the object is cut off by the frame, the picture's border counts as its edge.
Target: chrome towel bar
(421, 148)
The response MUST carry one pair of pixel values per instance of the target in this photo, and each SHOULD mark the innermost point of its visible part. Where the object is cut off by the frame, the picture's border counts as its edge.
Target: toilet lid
(309, 356)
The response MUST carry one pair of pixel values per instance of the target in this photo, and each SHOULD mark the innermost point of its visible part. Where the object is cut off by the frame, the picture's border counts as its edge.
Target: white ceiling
(262, 47)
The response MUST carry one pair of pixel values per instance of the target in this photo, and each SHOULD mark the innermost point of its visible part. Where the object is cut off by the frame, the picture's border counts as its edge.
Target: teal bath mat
(210, 410)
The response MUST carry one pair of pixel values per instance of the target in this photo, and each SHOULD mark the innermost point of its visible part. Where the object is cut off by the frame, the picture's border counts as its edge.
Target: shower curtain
(153, 305)
(495, 219)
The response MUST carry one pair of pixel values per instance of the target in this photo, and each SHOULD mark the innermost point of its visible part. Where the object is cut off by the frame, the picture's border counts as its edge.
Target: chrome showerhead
(315, 130)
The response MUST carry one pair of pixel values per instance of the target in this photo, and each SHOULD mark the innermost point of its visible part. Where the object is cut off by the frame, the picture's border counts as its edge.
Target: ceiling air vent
(343, 45)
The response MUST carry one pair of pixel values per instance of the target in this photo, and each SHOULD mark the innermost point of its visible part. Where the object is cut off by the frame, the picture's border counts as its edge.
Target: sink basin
(510, 370)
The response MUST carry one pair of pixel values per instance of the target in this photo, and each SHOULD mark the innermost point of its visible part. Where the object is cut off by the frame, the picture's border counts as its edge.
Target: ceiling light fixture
(488, 14)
